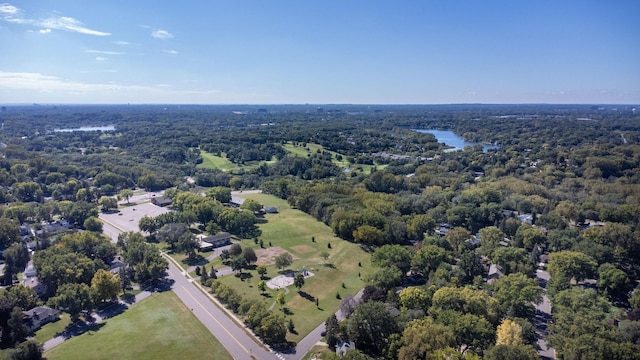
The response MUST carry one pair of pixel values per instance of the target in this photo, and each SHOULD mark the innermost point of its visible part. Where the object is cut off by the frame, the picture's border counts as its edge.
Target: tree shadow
(287, 311)
(330, 266)
(112, 310)
(128, 298)
(78, 328)
(288, 347)
(195, 260)
(267, 295)
(133, 203)
(111, 211)
(251, 267)
(244, 275)
(306, 295)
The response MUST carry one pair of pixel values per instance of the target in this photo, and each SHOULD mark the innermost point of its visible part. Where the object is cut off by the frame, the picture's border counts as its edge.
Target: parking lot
(127, 217)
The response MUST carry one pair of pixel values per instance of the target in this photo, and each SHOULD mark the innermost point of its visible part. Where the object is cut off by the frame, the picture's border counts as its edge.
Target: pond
(450, 138)
(88, 128)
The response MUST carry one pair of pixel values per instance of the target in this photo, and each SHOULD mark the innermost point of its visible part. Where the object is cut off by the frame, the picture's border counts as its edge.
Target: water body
(453, 140)
(88, 128)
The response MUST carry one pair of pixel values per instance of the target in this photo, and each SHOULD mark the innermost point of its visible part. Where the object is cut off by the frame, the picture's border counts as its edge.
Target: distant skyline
(296, 52)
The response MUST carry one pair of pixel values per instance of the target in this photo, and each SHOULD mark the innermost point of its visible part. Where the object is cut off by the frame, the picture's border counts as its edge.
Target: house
(526, 218)
(343, 346)
(116, 264)
(160, 201)
(29, 271)
(236, 201)
(442, 229)
(25, 230)
(35, 284)
(39, 316)
(270, 210)
(495, 272)
(216, 240)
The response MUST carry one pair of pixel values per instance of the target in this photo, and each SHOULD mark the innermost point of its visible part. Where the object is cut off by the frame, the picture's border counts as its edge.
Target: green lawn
(313, 148)
(210, 161)
(51, 329)
(293, 230)
(159, 327)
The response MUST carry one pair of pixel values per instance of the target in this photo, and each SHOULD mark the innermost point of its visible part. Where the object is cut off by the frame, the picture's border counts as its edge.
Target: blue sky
(274, 52)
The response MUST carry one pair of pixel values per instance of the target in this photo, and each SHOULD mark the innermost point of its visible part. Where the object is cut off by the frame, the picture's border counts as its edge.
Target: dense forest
(561, 188)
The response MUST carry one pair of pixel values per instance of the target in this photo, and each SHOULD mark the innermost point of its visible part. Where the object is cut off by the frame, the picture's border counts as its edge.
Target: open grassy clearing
(210, 161)
(313, 148)
(159, 327)
(292, 230)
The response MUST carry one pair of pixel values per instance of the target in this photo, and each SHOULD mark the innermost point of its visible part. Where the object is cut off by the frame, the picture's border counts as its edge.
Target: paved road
(543, 315)
(232, 336)
(305, 345)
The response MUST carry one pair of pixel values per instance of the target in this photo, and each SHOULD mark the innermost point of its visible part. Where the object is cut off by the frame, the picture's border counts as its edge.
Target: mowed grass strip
(159, 327)
(293, 230)
(210, 161)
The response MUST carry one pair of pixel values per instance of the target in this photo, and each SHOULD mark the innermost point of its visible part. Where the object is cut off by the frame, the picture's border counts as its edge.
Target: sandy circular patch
(282, 281)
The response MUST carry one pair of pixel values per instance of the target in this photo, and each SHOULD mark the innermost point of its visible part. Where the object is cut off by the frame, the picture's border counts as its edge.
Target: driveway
(542, 318)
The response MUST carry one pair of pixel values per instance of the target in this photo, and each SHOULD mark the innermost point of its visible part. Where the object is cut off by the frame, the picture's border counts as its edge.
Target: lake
(88, 128)
(453, 140)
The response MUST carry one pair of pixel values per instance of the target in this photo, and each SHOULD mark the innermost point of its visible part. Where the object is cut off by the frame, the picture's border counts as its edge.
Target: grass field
(292, 230)
(210, 161)
(313, 148)
(159, 327)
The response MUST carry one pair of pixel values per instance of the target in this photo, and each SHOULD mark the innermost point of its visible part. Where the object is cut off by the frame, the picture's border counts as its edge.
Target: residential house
(495, 272)
(236, 201)
(343, 346)
(116, 264)
(39, 316)
(35, 284)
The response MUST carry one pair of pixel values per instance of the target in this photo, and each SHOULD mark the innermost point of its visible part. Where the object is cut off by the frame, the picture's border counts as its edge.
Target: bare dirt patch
(285, 280)
(267, 256)
(302, 249)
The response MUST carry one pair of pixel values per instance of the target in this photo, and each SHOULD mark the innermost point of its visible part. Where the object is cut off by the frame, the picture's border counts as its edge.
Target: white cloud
(101, 58)
(34, 83)
(70, 24)
(11, 14)
(172, 52)
(44, 31)
(39, 82)
(103, 52)
(161, 34)
(122, 43)
(8, 9)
